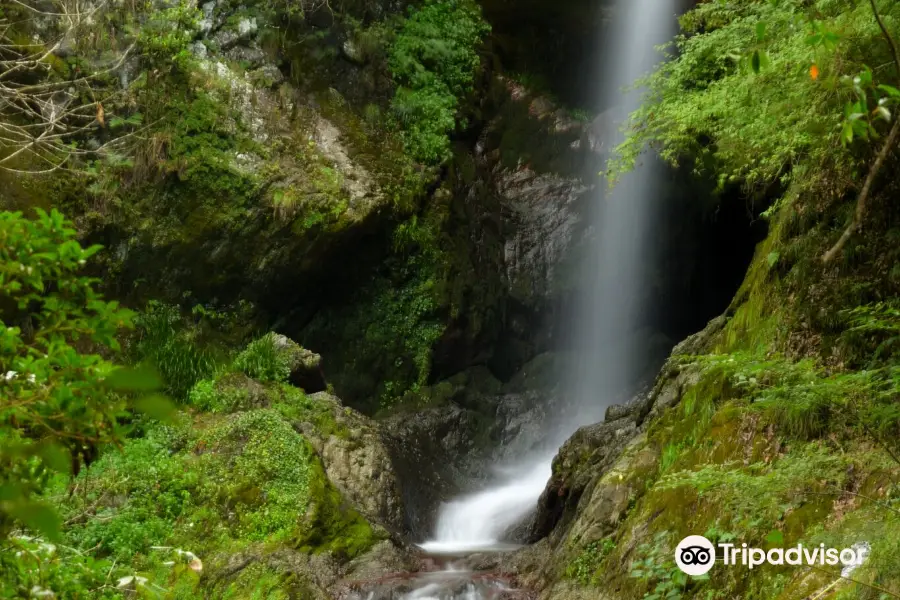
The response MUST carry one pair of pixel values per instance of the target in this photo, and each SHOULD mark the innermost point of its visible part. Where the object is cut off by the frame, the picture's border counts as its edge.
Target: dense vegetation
(787, 430)
(293, 166)
(108, 490)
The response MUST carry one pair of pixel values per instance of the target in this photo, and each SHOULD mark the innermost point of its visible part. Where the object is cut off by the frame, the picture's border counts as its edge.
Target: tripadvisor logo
(696, 555)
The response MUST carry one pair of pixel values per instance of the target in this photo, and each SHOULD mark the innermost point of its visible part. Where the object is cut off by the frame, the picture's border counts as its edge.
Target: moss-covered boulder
(273, 491)
(356, 461)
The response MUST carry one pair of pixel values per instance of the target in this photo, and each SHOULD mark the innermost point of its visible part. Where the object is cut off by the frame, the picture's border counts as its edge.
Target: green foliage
(158, 487)
(875, 325)
(166, 34)
(859, 119)
(804, 400)
(434, 59)
(265, 466)
(764, 117)
(401, 314)
(211, 484)
(52, 324)
(203, 146)
(263, 360)
(32, 567)
(759, 494)
(170, 346)
(658, 572)
(669, 457)
(588, 561)
(295, 406)
(220, 395)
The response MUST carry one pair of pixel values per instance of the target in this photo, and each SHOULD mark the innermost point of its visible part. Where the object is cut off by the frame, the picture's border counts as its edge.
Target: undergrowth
(433, 60)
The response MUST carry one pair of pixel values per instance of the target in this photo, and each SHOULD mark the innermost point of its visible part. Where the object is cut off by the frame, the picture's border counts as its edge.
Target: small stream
(450, 577)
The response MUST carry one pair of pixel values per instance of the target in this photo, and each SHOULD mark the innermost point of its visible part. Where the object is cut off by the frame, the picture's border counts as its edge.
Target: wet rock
(306, 365)
(430, 450)
(543, 219)
(453, 435)
(701, 341)
(581, 460)
(385, 557)
(635, 409)
(357, 462)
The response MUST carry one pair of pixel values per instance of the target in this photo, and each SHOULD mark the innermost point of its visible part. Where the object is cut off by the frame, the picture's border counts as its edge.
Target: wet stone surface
(440, 579)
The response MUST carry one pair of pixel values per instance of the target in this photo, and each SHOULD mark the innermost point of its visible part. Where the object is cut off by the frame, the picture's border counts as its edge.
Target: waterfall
(602, 327)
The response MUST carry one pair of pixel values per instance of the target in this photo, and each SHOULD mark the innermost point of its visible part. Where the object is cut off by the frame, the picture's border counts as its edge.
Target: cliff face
(382, 182)
(736, 442)
(362, 178)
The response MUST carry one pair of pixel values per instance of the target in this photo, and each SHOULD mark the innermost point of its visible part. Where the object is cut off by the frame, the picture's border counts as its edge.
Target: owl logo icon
(695, 555)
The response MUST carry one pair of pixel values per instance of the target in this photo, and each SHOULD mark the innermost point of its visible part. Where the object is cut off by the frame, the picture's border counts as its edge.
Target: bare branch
(40, 116)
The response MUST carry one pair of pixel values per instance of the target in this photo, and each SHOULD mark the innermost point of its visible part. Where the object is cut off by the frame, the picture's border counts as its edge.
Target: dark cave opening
(704, 248)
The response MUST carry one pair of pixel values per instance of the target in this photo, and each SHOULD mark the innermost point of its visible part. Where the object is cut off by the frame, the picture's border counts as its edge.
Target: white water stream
(603, 324)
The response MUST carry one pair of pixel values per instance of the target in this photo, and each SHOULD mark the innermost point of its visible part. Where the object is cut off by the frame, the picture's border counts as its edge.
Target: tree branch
(882, 157)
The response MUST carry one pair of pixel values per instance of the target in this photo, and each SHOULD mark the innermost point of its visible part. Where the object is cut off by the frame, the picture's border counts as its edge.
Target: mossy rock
(221, 486)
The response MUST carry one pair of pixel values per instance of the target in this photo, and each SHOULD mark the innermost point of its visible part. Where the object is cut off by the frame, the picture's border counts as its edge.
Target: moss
(258, 582)
(331, 526)
(264, 467)
(588, 561)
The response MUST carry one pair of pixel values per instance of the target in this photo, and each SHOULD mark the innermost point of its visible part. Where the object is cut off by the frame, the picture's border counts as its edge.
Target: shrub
(166, 343)
(43, 568)
(739, 96)
(56, 407)
(262, 360)
(158, 486)
(433, 60)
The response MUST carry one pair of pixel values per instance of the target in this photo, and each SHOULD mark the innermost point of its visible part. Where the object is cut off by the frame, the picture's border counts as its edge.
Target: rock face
(541, 178)
(357, 462)
(586, 455)
(432, 451)
(596, 475)
(305, 365)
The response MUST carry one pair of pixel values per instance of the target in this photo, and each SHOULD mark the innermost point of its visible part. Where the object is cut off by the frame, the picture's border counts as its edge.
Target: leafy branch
(880, 159)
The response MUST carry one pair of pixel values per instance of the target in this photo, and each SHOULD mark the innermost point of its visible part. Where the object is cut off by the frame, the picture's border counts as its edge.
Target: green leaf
(761, 31)
(134, 379)
(890, 90)
(755, 61)
(772, 258)
(775, 537)
(156, 406)
(883, 113)
(39, 517)
(847, 133)
(55, 457)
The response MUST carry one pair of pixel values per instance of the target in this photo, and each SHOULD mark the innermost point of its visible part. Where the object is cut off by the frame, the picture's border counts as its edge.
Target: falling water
(602, 326)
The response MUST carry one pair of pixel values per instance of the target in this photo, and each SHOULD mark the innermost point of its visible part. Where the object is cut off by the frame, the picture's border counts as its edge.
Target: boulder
(305, 365)
(356, 461)
(579, 463)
